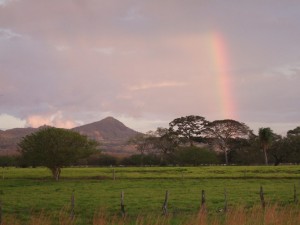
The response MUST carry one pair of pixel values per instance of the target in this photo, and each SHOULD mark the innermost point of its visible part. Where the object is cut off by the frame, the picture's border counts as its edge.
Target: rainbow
(223, 79)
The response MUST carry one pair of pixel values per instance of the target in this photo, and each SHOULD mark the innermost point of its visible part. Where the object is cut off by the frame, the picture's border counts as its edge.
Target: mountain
(9, 139)
(111, 133)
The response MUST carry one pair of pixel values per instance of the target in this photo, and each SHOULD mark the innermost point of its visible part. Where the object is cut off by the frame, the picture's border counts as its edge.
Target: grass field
(30, 191)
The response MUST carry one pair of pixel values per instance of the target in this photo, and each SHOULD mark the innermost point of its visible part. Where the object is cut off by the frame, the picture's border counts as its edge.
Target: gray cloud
(74, 61)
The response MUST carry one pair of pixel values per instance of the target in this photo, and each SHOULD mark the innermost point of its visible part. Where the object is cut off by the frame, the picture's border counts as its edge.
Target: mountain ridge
(112, 134)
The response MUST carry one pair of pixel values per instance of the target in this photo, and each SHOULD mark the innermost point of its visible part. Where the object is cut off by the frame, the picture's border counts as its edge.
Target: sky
(146, 62)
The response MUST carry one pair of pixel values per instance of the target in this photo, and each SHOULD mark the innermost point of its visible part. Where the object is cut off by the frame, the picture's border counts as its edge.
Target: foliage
(293, 145)
(188, 128)
(164, 144)
(195, 156)
(265, 136)
(101, 159)
(135, 160)
(143, 143)
(246, 152)
(294, 132)
(55, 148)
(221, 132)
(7, 160)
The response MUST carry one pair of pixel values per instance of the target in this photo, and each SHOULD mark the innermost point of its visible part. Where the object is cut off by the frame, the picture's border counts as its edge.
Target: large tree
(265, 136)
(221, 133)
(55, 148)
(164, 143)
(294, 132)
(281, 149)
(188, 128)
(143, 143)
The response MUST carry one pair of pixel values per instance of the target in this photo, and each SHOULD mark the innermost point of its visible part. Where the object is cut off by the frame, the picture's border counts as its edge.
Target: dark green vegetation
(230, 141)
(55, 148)
(24, 192)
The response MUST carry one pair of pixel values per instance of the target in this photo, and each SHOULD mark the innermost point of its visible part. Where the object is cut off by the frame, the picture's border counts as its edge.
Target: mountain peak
(110, 132)
(109, 119)
(108, 128)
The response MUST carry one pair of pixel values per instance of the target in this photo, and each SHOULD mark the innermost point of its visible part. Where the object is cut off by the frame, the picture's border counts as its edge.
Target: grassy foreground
(271, 215)
(31, 195)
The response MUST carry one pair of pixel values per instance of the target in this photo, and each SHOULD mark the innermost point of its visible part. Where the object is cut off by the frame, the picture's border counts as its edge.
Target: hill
(111, 133)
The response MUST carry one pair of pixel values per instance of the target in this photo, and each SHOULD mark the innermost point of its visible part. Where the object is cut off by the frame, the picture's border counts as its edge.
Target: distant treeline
(189, 141)
(241, 154)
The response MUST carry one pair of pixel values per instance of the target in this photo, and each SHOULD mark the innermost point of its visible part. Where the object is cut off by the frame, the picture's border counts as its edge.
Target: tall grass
(271, 215)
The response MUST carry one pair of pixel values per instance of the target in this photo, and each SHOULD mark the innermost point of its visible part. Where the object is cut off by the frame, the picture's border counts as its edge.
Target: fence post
(203, 200)
(114, 174)
(262, 198)
(295, 195)
(225, 197)
(72, 214)
(165, 205)
(123, 213)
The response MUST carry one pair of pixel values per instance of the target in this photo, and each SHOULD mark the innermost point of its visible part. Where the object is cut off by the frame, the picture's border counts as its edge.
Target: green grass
(24, 192)
(159, 172)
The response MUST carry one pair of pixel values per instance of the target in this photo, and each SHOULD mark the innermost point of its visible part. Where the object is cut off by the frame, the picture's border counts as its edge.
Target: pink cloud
(56, 120)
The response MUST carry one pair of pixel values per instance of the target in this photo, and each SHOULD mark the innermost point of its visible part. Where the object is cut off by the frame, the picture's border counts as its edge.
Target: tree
(55, 148)
(164, 143)
(280, 149)
(188, 128)
(221, 132)
(294, 132)
(143, 143)
(265, 136)
(195, 156)
(293, 146)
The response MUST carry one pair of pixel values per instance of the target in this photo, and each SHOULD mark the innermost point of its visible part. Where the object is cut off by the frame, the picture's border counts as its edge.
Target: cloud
(105, 51)
(6, 34)
(163, 84)
(149, 60)
(132, 14)
(290, 70)
(57, 120)
(5, 2)
(9, 121)
(62, 48)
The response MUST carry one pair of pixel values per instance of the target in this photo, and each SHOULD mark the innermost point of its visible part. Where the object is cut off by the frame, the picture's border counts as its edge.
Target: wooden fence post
(72, 214)
(165, 205)
(123, 213)
(225, 197)
(203, 200)
(295, 195)
(114, 174)
(262, 198)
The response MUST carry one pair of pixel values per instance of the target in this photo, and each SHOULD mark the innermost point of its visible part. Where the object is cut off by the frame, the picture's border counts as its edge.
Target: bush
(6, 161)
(195, 156)
(102, 160)
(138, 160)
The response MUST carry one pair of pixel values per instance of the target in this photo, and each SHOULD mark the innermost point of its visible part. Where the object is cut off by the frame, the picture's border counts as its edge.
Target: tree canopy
(265, 136)
(294, 132)
(188, 127)
(55, 148)
(223, 131)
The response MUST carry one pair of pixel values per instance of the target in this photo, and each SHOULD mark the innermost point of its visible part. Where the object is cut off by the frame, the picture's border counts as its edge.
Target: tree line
(190, 140)
(193, 140)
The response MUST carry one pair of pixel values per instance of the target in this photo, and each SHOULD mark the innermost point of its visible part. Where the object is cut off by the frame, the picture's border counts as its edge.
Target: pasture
(25, 192)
